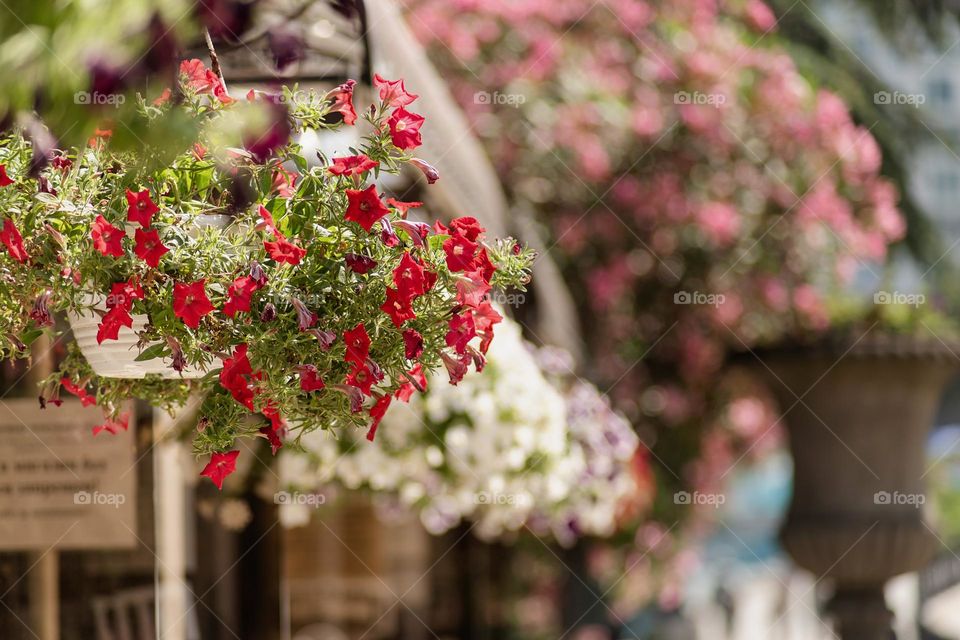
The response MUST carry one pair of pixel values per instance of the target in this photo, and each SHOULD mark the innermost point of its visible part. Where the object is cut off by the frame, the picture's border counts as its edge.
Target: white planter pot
(117, 358)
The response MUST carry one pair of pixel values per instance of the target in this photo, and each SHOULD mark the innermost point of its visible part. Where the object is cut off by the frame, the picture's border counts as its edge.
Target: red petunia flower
(462, 331)
(359, 263)
(460, 252)
(140, 208)
(109, 328)
(310, 378)
(14, 241)
(408, 277)
(203, 80)
(482, 264)
(220, 466)
(471, 288)
(238, 295)
(402, 207)
(392, 92)
(352, 165)
(81, 392)
(122, 294)
(283, 250)
(358, 344)
(416, 381)
(377, 412)
(412, 344)
(163, 98)
(484, 317)
(361, 377)
(284, 182)
(148, 247)
(113, 425)
(364, 207)
(268, 223)
(106, 238)
(405, 129)
(398, 307)
(190, 302)
(237, 376)
(5, 180)
(456, 367)
(466, 226)
(61, 162)
(342, 98)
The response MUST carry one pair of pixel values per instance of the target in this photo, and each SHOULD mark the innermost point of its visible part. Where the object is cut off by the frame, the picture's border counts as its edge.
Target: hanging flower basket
(228, 267)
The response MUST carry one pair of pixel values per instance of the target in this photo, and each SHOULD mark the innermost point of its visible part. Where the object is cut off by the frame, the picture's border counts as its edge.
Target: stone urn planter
(858, 413)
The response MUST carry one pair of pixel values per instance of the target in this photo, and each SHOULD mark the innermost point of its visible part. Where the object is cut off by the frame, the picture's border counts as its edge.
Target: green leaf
(156, 351)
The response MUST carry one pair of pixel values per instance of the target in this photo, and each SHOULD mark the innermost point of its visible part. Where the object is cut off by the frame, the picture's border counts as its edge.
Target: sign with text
(61, 486)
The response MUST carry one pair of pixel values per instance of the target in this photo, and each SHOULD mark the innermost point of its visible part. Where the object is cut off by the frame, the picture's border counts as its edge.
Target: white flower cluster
(505, 448)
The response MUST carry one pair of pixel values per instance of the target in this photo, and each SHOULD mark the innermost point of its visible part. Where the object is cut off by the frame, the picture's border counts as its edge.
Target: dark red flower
(352, 165)
(190, 302)
(237, 376)
(110, 324)
(408, 277)
(265, 136)
(61, 162)
(5, 180)
(342, 98)
(405, 129)
(412, 344)
(462, 331)
(377, 412)
(428, 170)
(238, 295)
(305, 317)
(40, 313)
(140, 208)
(361, 377)
(14, 241)
(179, 361)
(113, 425)
(354, 395)
(392, 92)
(283, 250)
(270, 433)
(325, 338)
(398, 307)
(358, 344)
(81, 392)
(387, 235)
(466, 226)
(359, 263)
(106, 238)
(122, 294)
(220, 466)
(310, 378)
(364, 207)
(460, 252)
(148, 246)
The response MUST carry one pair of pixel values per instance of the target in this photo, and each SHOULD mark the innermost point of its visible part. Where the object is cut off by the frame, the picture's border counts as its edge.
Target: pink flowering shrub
(702, 196)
